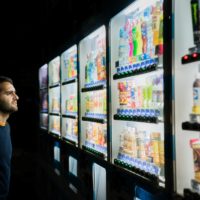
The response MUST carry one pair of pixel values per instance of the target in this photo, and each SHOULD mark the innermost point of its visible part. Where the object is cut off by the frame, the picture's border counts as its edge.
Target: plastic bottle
(196, 95)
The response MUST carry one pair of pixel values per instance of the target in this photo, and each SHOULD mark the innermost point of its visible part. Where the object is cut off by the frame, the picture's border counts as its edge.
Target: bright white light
(99, 31)
(141, 4)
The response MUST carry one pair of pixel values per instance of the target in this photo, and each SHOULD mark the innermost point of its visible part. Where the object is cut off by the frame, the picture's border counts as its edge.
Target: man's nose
(16, 96)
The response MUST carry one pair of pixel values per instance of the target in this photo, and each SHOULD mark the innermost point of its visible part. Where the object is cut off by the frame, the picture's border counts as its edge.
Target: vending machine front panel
(137, 89)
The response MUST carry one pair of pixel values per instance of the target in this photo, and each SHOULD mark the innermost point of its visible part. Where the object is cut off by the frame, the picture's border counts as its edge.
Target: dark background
(32, 32)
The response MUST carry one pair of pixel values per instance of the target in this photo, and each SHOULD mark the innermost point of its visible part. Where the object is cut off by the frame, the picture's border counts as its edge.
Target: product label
(196, 96)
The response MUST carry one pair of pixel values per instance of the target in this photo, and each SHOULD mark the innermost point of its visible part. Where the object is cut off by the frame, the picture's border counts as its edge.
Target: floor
(33, 179)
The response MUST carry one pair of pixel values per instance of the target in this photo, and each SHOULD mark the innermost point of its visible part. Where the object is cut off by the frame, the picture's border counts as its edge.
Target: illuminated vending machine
(93, 104)
(69, 95)
(69, 111)
(43, 86)
(54, 96)
(187, 97)
(137, 91)
(54, 114)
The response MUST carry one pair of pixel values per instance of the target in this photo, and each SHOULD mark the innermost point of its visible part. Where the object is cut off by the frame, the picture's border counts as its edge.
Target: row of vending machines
(129, 93)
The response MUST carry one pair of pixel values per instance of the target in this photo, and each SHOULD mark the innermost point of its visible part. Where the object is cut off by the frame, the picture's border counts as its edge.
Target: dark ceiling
(33, 29)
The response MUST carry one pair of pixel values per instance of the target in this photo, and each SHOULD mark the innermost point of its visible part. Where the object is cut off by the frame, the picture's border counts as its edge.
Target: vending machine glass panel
(54, 125)
(54, 71)
(69, 91)
(54, 100)
(93, 83)
(69, 64)
(44, 100)
(43, 78)
(137, 96)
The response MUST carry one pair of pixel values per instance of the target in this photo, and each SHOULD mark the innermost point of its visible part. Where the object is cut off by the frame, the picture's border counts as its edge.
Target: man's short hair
(5, 79)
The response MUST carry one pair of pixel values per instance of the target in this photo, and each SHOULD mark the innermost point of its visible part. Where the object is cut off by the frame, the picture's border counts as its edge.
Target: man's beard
(7, 109)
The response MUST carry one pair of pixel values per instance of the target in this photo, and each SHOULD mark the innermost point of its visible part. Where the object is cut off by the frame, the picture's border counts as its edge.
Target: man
(8, 105)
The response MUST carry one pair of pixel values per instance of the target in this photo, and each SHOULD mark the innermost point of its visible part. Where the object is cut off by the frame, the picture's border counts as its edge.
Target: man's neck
(3, 117)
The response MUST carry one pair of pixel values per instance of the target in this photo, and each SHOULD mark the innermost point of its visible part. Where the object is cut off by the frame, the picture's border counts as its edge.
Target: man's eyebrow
(9, 91)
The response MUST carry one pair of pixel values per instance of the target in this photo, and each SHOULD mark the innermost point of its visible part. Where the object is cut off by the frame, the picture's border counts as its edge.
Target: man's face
(8, 98)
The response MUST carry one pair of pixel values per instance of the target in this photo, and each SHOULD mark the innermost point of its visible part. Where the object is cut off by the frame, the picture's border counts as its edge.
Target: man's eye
(9, 93)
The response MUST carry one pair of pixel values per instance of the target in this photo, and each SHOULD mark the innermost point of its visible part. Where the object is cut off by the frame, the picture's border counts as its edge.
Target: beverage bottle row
(95, 68)
(71, 104)
(95, 103)
(96, 134)
(72, 128)
(70, 65)
(141, 37)
(133, 95)
(145, 145)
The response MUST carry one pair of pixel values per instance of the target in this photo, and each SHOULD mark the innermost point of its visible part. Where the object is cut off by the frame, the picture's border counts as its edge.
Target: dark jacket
(5, 160)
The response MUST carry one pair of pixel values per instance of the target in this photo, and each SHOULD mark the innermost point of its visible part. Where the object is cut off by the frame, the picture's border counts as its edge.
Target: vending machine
(93, 99)
(43, 86)
(69, 95)
(93, 105)
(70, 113)
(54, 96)
(187, 95)
(137, 90)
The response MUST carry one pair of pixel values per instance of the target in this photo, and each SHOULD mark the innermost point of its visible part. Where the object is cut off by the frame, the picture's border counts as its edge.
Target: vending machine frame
(140, 178)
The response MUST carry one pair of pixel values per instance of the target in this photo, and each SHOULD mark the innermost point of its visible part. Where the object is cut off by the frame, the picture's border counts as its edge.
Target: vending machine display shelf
(69, 116)
(97, 153)
(94, 88)
(130, 73)
(69, 81)
(136, 118)
(69, 141)
(91, 119)
(189, 194)
(55, 113)
(136, 170)
(55, 135)
(54, 85)
(191, 126)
